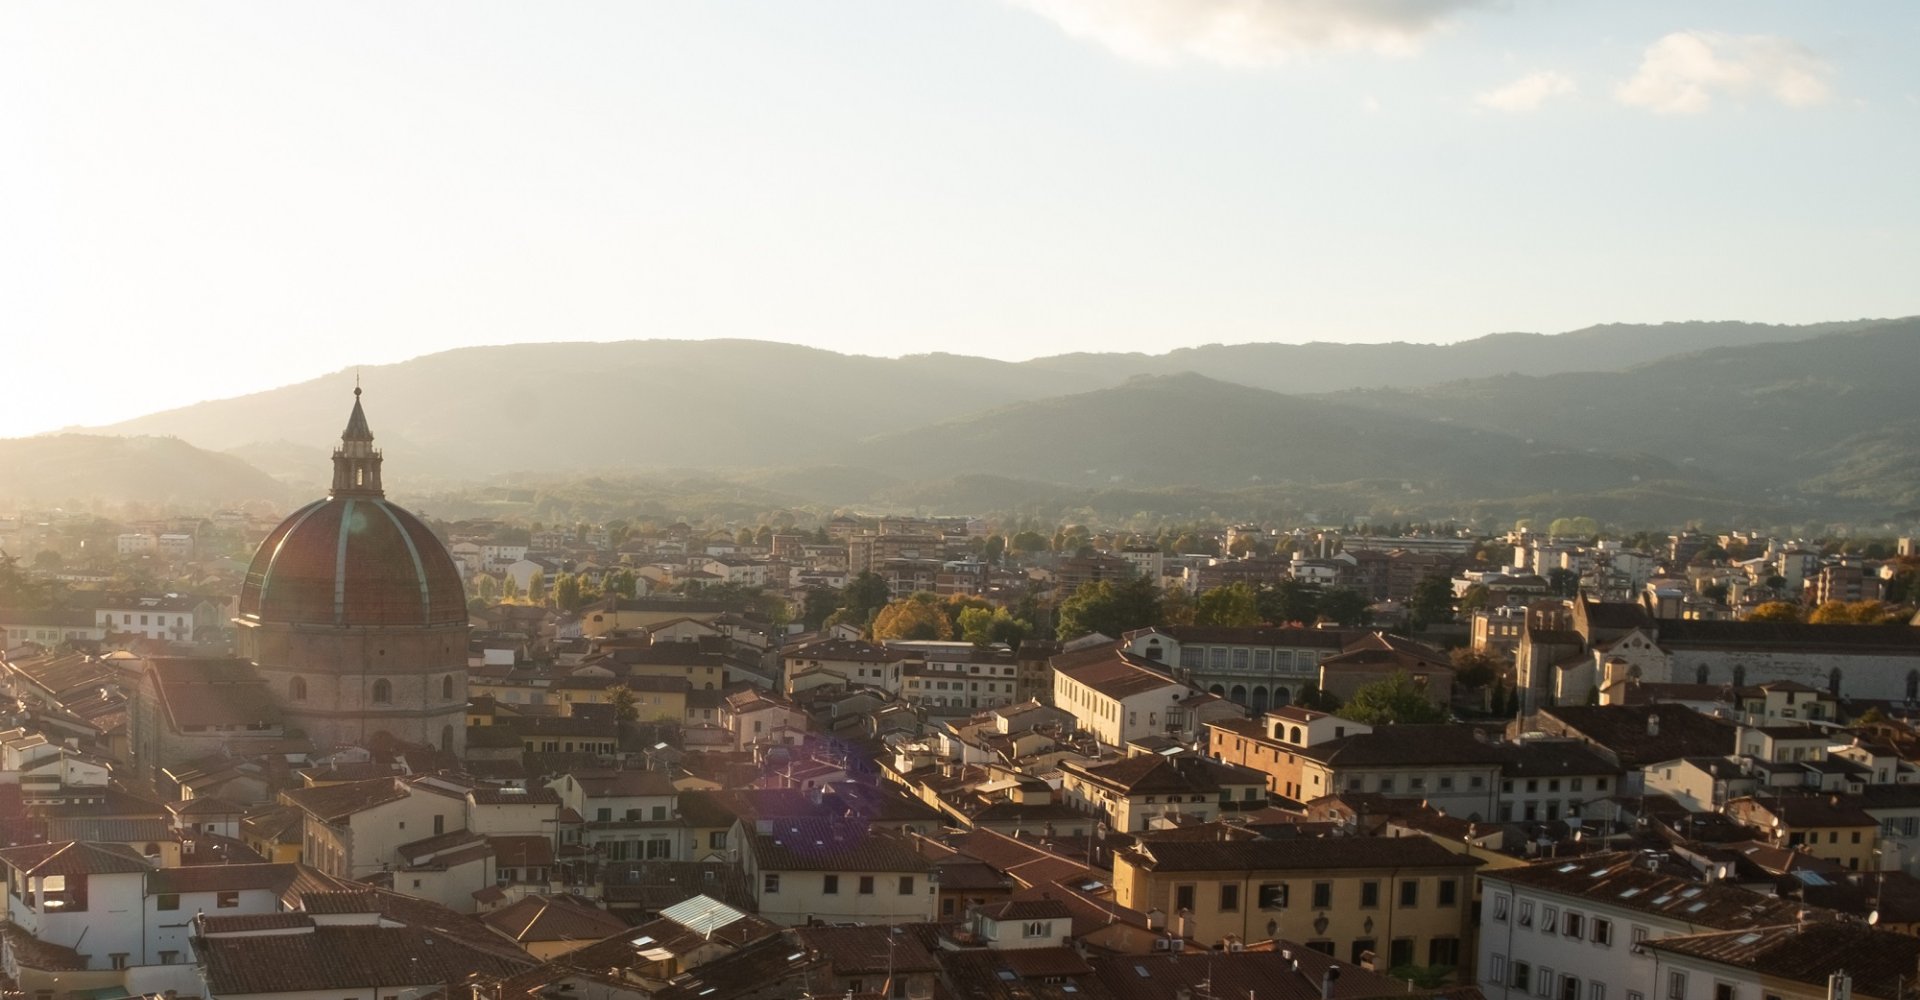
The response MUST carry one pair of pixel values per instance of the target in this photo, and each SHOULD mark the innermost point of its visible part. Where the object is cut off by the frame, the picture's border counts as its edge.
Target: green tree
(567, 592)
(626, 704)
(1431, 604)
(1109, 609)
(1473, 669)
(984, 627)
(993, 549)
(1346, 606)
(1775, 611)
(918, 617)
(1397, 700)
(1289, 601)
(1854, 613)
(487, 587)
(1234, 605)
(864, 596)
(537, 587)
(817, 606)
(509, 590)
(1027, 543)
(625, 583)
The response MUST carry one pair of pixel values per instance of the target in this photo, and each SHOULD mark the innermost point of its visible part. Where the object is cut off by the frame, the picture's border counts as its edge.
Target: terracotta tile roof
(1118, 674)
(746, 972)
(246, 922)
(1621, 731)
(1622, 879)
(1271, 975)
(344, 958)
(832, 845)
(1880, 962)
(212, 692)
(489, 795)
(597, 784)
(32, 953)
(522, 851)
(73, 858)
(553, 918)
(870, 950)
(335, 803)
(285, 879)
(1298, 854)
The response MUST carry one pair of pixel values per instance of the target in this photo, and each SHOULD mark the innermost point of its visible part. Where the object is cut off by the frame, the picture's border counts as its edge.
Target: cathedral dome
(354, 558)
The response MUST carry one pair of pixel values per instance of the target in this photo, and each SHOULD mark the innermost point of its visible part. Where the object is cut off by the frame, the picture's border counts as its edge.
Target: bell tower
(356, 463)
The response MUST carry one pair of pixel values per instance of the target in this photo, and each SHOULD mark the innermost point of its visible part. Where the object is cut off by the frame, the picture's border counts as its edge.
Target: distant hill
(1835, 415)
(1197, 432)
(63, 468)
(742, 404)
(1327, 367)
(1640, 424)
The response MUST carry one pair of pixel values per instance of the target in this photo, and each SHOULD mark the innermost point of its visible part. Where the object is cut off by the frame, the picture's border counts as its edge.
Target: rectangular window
(1443, 952)
(1603, 931)
(1230, 897)
(1183, 897)
(1500, 908)
(1449, 892)
(1409, 895)
(1273, 895)
(1525, 918)
(1676, 986)
(1543, 983)
(906, 885)
(866, 885)
(1723, 991)
(1400, 953)
(1522, 976)
(1575, 927)
(167, 901)
(1569, 988)
(830, 885)
(1369, 894)
(1598, 991)
(1322, 895)
(1639, 940)
(770, 882)
(119, 959)
(1549, 919)
(1496, 968)
(227, 900)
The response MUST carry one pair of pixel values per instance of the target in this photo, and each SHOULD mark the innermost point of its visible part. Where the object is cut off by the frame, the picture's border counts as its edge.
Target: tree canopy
(1396, 700)
(918, 617)
(1110, 609)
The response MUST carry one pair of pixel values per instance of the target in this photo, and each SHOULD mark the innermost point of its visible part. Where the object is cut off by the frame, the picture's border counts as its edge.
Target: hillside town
(920, 756)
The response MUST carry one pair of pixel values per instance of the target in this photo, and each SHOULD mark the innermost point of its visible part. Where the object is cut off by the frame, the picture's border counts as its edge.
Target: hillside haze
(481, 411)
(1642, 424)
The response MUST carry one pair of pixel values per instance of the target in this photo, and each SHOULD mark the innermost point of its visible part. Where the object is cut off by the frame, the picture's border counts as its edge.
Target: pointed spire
(356, 464)
(357, 420)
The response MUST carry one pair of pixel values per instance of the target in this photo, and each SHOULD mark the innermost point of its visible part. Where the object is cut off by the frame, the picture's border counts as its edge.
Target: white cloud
(1247, 32)
(1682, 73)
(1527, 93)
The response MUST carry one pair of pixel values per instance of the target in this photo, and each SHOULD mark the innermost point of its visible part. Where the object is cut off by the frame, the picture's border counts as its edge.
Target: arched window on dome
(297, 689)
(446, 688)
(382, 692)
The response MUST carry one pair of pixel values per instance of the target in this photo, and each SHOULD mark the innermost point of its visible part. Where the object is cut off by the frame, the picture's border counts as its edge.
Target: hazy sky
(206, 199)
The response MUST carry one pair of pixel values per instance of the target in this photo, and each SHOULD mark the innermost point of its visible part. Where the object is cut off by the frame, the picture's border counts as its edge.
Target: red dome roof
(353, 560)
